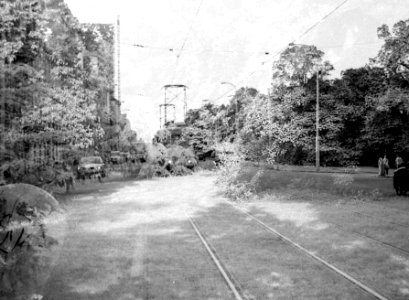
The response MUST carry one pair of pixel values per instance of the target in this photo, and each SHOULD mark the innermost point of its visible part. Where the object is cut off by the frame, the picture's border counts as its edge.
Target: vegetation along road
(178, 238)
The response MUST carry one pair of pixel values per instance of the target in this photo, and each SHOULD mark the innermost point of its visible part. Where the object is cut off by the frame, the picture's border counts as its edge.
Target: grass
(332, 181)
(133, 240)
(317, 210)
(265, 266)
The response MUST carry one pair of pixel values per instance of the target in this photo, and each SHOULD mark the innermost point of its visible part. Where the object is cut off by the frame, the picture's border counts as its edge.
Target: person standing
(381, 167)
(398, 162)
(386, 165)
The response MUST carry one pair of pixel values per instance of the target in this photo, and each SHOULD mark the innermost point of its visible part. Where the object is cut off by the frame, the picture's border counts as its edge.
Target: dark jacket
(401, 181)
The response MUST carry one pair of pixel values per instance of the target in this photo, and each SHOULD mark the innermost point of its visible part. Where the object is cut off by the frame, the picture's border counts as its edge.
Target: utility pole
(317, 133)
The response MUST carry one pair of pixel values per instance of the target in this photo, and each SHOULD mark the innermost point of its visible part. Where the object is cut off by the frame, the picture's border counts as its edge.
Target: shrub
(146, 171)
(160, 171)
(180, 170)
(25, 246)
(228, 178)
(156, 153)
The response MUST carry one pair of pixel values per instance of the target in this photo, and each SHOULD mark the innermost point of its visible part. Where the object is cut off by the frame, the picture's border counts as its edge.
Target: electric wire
(309, 29)
(185, 40)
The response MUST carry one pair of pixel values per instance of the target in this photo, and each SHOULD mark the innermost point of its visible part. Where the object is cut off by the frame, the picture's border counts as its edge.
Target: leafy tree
(387, 123)
(267, 129)
(297, 64)
(199, 140)
(393, 55)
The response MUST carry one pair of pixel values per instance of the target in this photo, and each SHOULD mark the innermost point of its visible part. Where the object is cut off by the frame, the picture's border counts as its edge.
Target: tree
(297, 64)
(267, 131)
(394, 54)
(21, 45)
(387, 123)
(64, 110)
(199, 140)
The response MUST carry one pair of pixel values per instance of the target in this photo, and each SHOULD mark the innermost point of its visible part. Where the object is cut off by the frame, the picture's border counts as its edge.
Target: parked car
(191, 163)
(125, 156)
(116, 157)
(169, 164)
(91, 166)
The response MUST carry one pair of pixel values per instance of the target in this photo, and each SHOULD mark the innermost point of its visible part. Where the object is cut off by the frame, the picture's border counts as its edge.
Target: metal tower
(176, 99)
(167, 114)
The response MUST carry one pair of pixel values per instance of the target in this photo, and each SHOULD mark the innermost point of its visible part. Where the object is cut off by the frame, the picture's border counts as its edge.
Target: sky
(201, 43)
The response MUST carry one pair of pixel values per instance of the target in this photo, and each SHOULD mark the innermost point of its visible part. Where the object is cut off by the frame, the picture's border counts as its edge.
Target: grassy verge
(362, 185)
(318, 210)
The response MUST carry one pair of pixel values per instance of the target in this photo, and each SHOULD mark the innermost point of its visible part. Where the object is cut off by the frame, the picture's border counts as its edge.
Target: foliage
(24, 241)
(38, 173)
(162, 136)
(200, 140)
(266, 129)
(228, 179)
(387, 123)
(393, 55)
(181, 170)
(297, 64)
(156, 153)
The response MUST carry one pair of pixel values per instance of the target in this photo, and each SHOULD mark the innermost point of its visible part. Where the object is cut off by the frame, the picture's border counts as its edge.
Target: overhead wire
(309, 29)
(185, 40)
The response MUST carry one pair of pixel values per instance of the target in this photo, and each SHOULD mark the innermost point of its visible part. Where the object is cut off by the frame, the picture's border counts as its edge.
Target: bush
(160, 171)
(25, 246)
(180, 170)
(156, 153)
(147, 171)
(36, 173)
(228, 178)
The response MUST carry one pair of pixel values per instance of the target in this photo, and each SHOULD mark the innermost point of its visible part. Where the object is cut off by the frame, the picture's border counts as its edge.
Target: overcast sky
(227, 40)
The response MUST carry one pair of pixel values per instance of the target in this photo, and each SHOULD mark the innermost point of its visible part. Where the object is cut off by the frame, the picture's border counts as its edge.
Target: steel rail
(222, 270)
(316, 257)
(377, 218)
(343, 229)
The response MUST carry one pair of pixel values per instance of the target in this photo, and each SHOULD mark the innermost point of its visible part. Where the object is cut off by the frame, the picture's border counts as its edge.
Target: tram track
(369, 290)
(227, 276)
(235, 286)
(343, 229)
(378, 218)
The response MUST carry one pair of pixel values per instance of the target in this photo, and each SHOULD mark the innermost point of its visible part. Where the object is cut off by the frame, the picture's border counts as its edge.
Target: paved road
(133, 241)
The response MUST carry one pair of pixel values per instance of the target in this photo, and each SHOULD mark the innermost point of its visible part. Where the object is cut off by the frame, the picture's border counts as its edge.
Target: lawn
(351, 219)
(335, 181)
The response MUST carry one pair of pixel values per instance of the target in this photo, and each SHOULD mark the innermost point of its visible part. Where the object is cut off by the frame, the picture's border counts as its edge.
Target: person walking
(381, 167)
(386, 165)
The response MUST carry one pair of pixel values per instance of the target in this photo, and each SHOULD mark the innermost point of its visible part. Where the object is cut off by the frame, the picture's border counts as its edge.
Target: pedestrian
(386, 164)
(398, 162)
(401, 181)
(381, 167)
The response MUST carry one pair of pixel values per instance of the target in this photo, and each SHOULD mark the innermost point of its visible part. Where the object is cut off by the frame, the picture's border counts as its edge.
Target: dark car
(169, 164)
(116, 157)
(91, 166)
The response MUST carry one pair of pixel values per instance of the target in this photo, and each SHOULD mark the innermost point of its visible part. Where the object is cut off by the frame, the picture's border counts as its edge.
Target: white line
(332, 267)
(217, 262)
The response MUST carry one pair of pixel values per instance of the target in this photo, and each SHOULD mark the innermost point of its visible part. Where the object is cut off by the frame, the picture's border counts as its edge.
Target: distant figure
(398, 162)
(386, 165)
(381, 167)
(401, 181)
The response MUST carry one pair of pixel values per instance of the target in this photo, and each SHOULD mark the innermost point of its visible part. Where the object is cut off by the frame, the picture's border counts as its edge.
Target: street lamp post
(237, 115)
